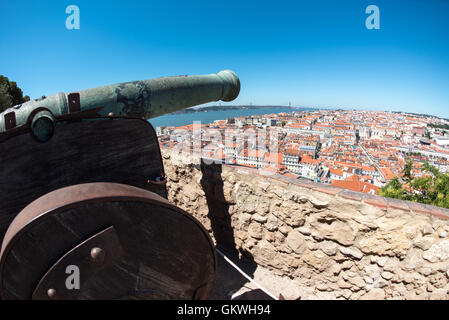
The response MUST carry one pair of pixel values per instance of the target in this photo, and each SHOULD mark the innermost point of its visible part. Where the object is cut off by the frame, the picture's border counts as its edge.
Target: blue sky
(312, 53)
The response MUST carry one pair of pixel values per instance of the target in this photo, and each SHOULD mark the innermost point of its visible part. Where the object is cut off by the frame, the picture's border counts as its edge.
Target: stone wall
(335, 243)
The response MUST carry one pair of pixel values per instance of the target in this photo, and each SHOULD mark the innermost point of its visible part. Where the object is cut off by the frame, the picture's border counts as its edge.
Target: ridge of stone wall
(335, 243)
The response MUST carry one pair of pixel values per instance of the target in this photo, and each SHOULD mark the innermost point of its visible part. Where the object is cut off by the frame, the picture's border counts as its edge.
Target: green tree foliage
(408, 170)
(441, 126)
(10, 94)
(432, 188)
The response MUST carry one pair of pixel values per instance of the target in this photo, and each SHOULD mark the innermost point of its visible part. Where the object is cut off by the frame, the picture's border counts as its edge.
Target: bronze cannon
(83, 201)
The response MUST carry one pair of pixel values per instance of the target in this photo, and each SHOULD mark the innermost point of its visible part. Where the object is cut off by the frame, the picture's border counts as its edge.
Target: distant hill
(242, 107)
(419, 114)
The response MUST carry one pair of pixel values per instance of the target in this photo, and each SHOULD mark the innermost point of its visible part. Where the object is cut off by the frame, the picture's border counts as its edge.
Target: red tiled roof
(256, 153)
(273, 157)
(354, 184)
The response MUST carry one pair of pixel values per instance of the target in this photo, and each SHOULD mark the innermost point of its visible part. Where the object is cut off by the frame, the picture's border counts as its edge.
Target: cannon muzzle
(146, 99)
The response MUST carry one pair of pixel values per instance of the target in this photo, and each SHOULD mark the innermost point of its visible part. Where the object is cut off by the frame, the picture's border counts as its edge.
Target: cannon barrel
(146, 98)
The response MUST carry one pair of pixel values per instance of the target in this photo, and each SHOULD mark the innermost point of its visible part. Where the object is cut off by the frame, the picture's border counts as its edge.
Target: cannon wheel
(106, 241)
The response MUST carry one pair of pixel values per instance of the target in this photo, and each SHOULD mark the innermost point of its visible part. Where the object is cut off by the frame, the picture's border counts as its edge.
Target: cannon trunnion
(83, 208)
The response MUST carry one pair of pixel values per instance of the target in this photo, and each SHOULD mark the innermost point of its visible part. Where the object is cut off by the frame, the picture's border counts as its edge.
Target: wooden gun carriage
(83, 201)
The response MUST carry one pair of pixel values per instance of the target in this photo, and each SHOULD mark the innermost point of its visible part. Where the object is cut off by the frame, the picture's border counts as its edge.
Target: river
(177, 120)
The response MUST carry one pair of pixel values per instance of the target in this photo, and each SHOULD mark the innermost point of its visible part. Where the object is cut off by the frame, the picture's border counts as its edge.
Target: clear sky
(312, 53)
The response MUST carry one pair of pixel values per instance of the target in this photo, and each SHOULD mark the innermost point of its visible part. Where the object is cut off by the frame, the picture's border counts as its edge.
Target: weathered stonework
(334, 243)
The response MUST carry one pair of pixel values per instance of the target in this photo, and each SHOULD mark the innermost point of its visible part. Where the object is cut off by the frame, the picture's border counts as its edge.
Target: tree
(393, 189)
(10, 94)
(408, 170)
(431, 188)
